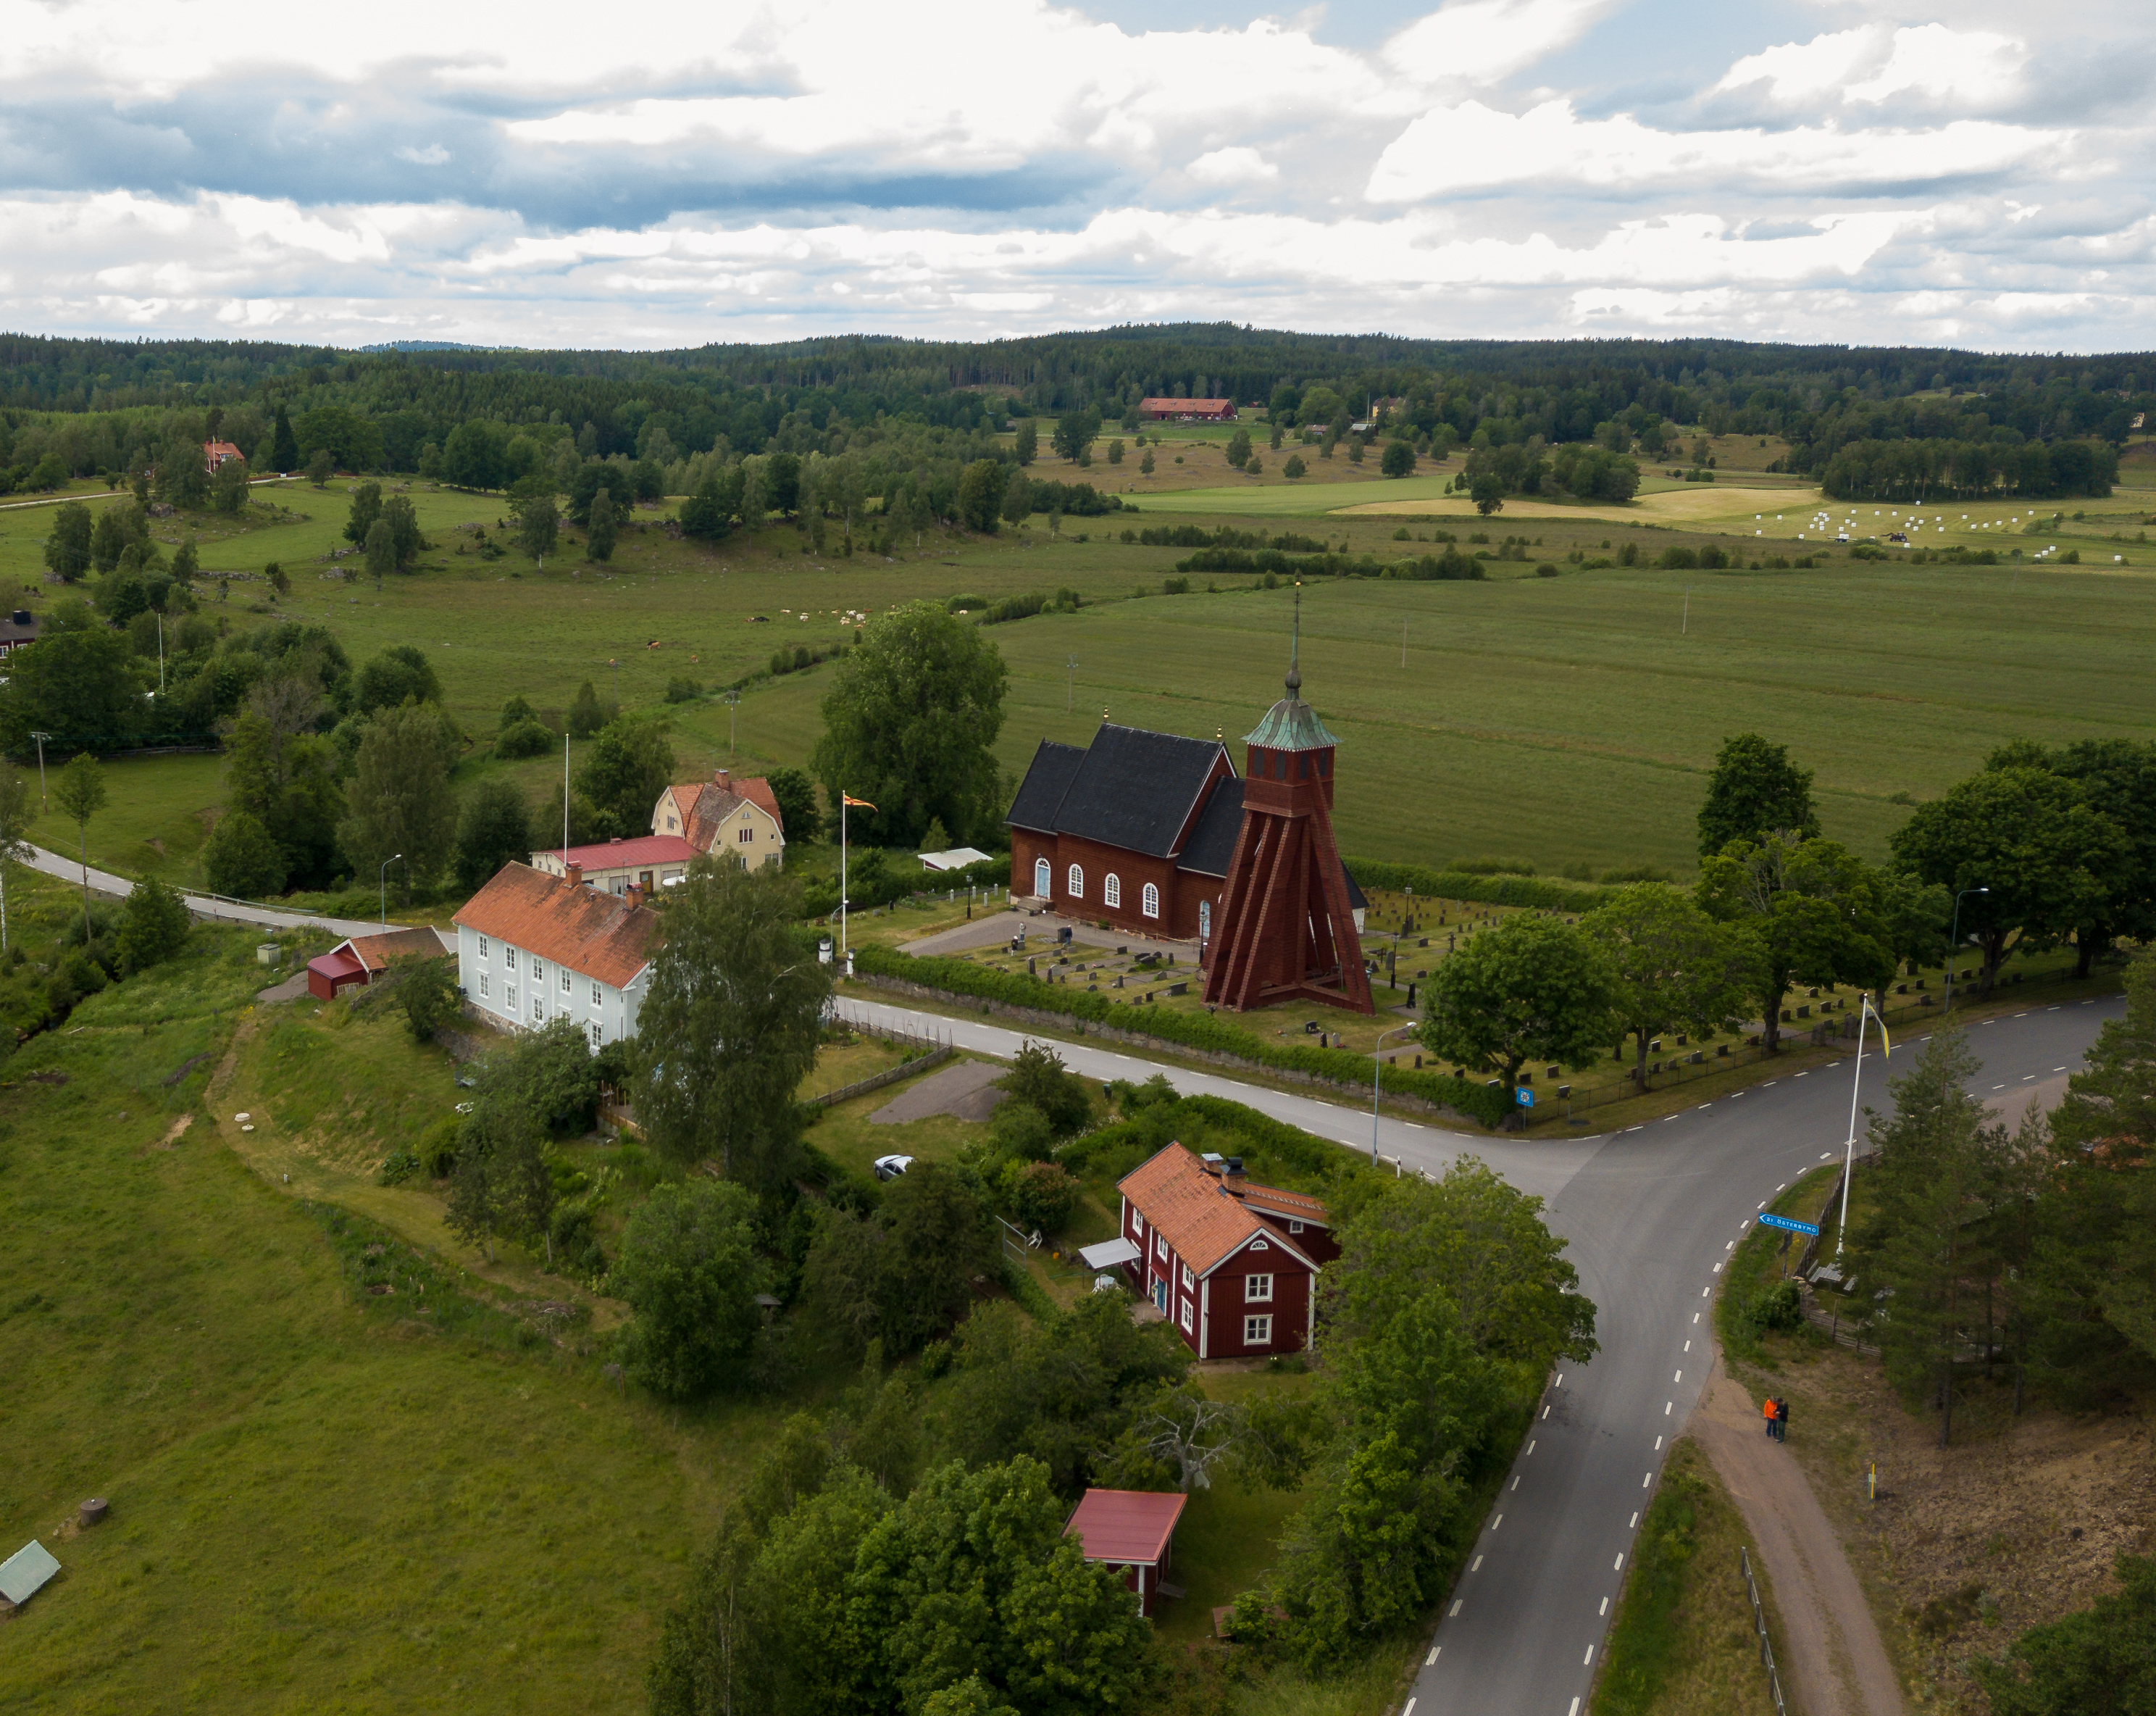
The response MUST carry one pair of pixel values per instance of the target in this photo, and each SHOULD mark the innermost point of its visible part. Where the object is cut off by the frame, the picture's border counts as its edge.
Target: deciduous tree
(730, 1022)
(623, 773)
(398, 800)
(1528, 989)
(911, 723)
(690, 1273)
(494, 828)
(1675, 967)
(68, 548)
(1754, 791)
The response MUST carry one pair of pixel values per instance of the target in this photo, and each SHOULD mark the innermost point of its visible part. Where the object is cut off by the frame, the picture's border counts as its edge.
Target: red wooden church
(1157, 834)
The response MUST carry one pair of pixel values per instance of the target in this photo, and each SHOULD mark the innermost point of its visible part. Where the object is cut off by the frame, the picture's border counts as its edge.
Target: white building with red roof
(646, 861)
(1231, 1263)
(724, 815)
(533, 947)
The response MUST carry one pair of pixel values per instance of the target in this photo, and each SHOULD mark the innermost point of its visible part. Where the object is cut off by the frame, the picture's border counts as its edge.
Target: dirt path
(1833, 1658)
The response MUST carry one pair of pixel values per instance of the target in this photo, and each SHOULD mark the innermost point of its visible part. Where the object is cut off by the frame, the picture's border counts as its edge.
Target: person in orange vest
(1767, 1412)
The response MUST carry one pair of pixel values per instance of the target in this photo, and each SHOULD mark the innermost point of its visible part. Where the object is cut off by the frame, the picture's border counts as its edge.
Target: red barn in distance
(1188, 410)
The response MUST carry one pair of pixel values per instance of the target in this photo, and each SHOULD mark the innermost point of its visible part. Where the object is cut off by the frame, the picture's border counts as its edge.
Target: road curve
(1650, 1215)
(212, 907)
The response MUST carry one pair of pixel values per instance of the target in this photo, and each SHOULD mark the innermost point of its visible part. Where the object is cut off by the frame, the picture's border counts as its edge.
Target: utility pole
(1404, 643)
(1071, 685)
(733, 703)
(41, 738)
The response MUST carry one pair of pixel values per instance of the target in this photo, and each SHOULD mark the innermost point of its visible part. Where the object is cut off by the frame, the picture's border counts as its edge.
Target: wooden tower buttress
(1286, 930)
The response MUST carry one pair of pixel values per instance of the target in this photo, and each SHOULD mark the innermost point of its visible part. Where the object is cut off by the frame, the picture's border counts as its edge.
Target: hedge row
(1489, 890)
(1193, 1031)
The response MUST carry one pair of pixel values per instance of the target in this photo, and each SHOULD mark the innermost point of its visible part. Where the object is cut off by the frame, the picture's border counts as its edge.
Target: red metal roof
(639, 850)
(1208, 408)
(1125, 1528)
(336, 963)
(1197, 1216)
(581, 928)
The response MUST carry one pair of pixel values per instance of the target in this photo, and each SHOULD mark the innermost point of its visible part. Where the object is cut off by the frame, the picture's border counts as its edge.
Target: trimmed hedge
(1488, 889)
(1193, 1030)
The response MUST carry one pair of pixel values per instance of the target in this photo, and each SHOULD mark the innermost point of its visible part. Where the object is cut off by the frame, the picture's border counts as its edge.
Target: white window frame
(1294, 1226)
(598, 1036)
(1044, 878)
(567, 977)
(509, 959)
(1075, 882)
(599, 995)
(1159, 1244)
(1204, 920)
(1257, 1290)
(1257, 1331)
(482, 986)
(483, 953)
(1149, 901)
(509, 1001)
(1188, 1317)
(1189, 1280)
(538, 1005)
(1111, 890)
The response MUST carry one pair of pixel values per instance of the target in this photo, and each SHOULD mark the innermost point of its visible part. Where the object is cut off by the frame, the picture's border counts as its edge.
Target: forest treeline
(75, 408)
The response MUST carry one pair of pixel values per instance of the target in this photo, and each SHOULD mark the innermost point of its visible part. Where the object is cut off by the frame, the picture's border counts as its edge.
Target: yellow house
(723, 814)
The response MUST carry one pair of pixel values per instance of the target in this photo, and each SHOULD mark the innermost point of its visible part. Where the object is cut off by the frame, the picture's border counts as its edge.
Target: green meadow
(1568, 720)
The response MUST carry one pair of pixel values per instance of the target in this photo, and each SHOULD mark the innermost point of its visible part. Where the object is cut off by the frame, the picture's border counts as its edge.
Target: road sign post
(1790, 1224)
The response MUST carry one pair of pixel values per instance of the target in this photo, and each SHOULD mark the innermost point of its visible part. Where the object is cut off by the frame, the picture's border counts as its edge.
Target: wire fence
(1760, 1627)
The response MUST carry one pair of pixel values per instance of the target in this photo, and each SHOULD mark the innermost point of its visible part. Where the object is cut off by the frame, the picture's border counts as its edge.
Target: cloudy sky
(651, 173)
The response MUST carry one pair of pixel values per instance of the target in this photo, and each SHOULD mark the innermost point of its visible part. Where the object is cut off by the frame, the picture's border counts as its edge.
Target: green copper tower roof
(1291, 724)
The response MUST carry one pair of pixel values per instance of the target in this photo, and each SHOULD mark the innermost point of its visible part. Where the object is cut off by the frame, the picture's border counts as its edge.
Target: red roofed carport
(331, 972)
(1133, 1529)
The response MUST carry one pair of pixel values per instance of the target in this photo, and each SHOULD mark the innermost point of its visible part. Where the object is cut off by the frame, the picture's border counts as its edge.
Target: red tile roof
(1125, 1528)
(700, 806)
(1197, 1214)
(589, 931)
(217, 452)
(637, 851)
(1176, 408)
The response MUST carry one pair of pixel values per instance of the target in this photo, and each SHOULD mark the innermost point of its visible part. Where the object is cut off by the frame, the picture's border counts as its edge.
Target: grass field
(351, 1466)
(1571, 720)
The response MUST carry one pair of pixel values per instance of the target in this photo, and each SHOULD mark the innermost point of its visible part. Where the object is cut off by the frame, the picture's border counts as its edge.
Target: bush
(437, 1147)
(1776, 1306)
(1546, 570)
(523, 738)
(683, 690)
(1021, 1130)
(1040, 1194)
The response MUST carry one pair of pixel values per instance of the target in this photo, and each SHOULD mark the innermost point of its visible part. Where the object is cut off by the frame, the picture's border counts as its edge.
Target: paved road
(202, 905)
(1651, 1214)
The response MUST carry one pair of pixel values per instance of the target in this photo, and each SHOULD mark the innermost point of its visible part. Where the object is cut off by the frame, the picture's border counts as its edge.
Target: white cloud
(1873, 64)
(1481, 41)
(1472, 147)
(1234, 166)
(689, 172)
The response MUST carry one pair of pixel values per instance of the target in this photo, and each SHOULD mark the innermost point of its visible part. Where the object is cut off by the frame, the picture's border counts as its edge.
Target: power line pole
(41, 737)
(1070, 687)
(733, 703)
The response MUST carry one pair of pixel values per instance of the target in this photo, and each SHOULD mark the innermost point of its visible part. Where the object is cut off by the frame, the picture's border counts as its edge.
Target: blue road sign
(1789, 1222)
(1527, 1098)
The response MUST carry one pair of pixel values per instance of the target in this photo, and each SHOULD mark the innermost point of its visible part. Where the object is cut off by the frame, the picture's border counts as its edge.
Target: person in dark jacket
(1781, 1420)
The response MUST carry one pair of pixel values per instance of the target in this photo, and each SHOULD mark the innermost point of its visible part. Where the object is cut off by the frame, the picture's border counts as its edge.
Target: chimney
(1211, 1163)
(633, 895)
(1232, 1176)
(723, 779)
(576, 874)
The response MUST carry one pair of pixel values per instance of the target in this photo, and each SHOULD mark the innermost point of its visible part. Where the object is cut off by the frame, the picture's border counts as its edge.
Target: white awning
(1109, 1253)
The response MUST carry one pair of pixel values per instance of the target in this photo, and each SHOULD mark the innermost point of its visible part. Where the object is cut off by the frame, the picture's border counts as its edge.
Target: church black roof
(1130, 788)
(1213, 842)
(1040, 794)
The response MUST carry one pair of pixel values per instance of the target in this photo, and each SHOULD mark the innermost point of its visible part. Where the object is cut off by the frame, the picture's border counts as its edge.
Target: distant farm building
(1188, 410)
(723, 814)
(358, 960)
(16, 629)
(217, 453)
(646, 861)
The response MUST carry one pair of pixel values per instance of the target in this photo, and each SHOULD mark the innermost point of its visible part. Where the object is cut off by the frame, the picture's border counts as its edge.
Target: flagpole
(1849, 1151)
(843, 802)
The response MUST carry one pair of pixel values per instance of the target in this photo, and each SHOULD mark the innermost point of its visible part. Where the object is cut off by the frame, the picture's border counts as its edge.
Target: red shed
(361, 958)
(1133, 1529)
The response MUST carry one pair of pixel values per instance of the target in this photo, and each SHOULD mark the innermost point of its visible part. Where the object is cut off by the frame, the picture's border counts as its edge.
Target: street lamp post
(1953, 936)
(381, 882)
(41, 738)
(1377, 1072)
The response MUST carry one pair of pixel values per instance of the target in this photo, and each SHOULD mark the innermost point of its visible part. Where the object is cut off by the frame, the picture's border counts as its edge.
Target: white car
(891, 1167)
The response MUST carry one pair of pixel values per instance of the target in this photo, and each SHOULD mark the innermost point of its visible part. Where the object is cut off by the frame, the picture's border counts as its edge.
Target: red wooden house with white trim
(1232, 1264)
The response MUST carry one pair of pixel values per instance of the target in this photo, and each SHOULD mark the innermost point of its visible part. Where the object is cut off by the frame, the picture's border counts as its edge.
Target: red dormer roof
(1196, 1212)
